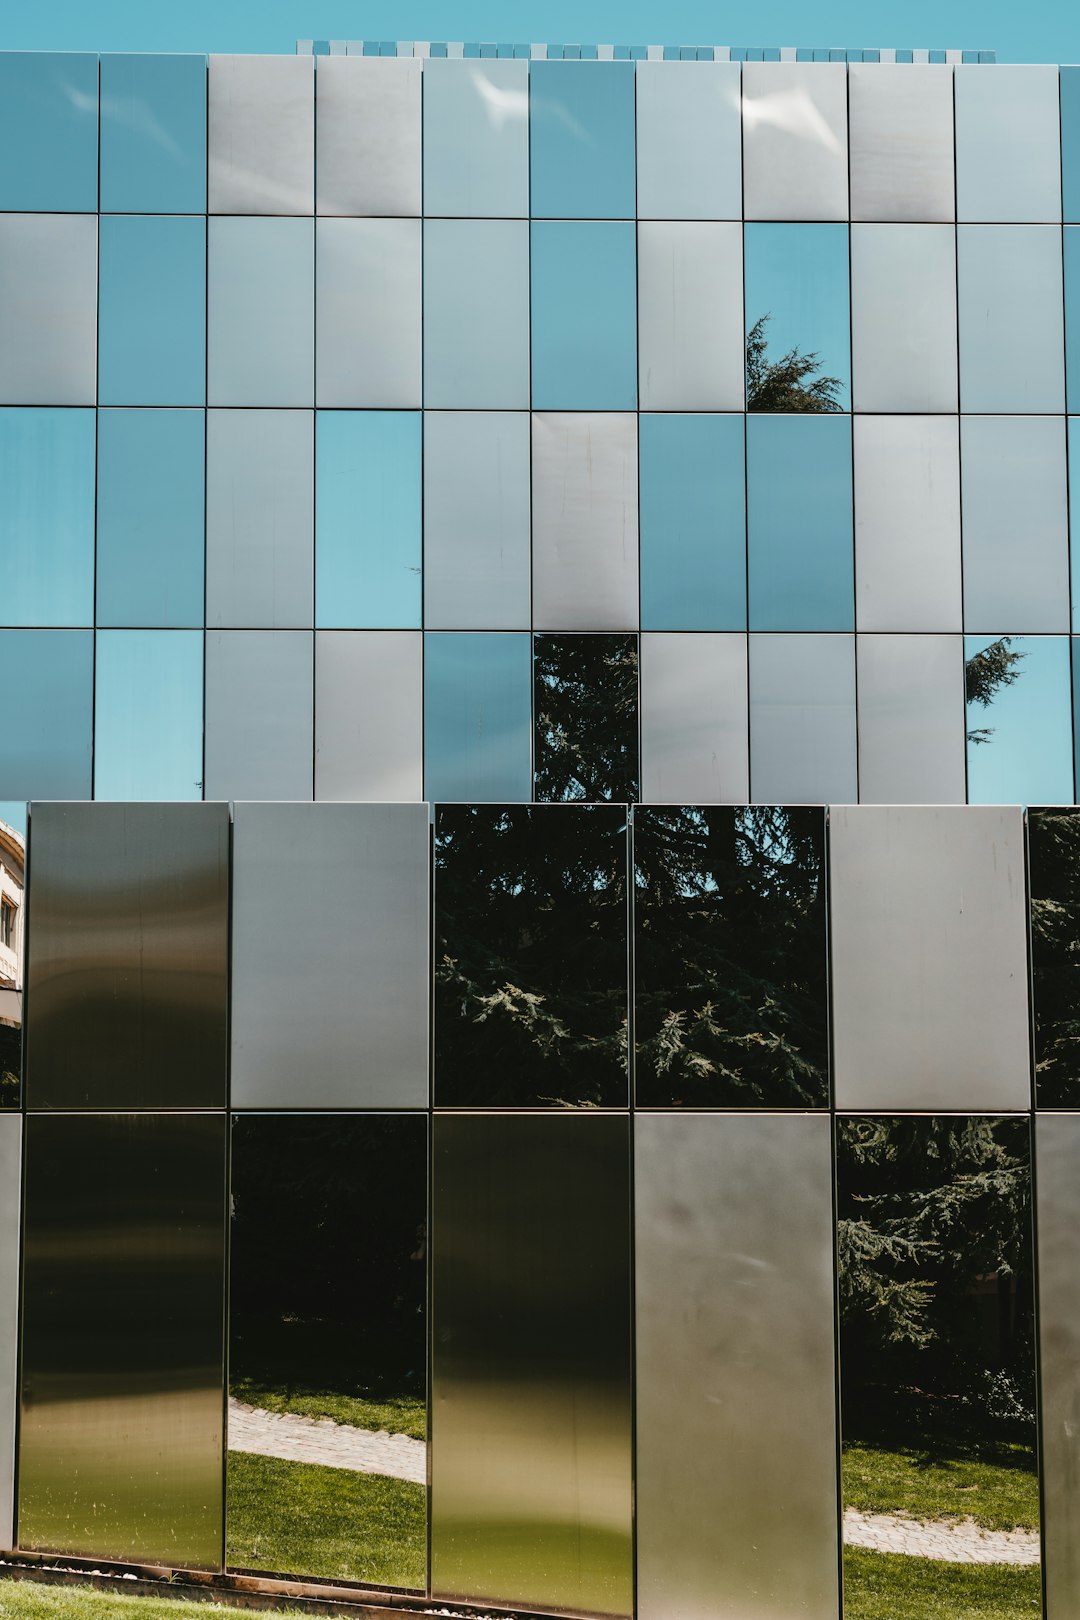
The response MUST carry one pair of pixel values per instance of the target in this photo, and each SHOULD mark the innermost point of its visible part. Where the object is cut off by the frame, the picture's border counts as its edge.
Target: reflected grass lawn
(32, 1600)
(888, 1586)
(398, 1414)
(997, 1497)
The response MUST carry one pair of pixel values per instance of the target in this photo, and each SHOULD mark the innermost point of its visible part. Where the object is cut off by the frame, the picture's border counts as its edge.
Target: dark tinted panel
(585, 695)
(1054, 876)
(12, 949)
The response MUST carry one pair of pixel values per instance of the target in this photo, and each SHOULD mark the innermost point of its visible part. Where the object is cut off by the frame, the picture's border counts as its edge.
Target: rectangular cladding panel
(901, 142)
(689, 143)
(367, 131)
(694, 719)
(907, 524)
(690, 320)
(911, 719)
(259, 714)
(1057, 1163)
(261, 126)
(369, 714)
(10, 1216)
(795, 158)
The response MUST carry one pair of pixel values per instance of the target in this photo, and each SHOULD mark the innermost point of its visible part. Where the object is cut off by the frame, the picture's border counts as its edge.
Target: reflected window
(477, 716)
(584, 316)
(152, 312)
(798, 344)
(48, 131)
(367, 520)
(1019, 716)
(800, 551)
(150, 512)
(47, 516)
(47, 735)
(585, 696)
(581, 140)
(530, 957)
(148, 715)
(1054, 872)
(693, 522)
(153, 134)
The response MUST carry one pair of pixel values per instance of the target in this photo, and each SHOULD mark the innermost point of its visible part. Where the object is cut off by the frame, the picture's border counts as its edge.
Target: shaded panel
(530, 957)
(477, 716)
(13, 824)
(148, 714)
(583, 315)
(260, 499)
(1054, 877)
(1008, 154)
(262, 135)
(259, 719)
(800, 552)
(1057, 1157)
(692, 490)
(585, 529)
(476, 313)
(368, 317)
(150, 517)
(1069, 91)
(929, 958)
(47, 516)
(1009, 280)
(46, 746)
(581, 140)
(690, 316)
(476, 137)
(901, 141)
(260, 314)
(121, 1444)
(911, 719)
(531, 1481)
(798, 320)
(1016, 523)
(368, 542)
(369, 714)
(128, 958)
(48, 309)
(795, 161)
(802, 719)
(730, 950)
(694, 721)
(735, 1487)
(10, 1214)
(1019, 716)
(153, 134)
(49, 131)
(347, 1006)
(477, 520)
(689, 141)
(903, 317)
(585, 712)
(367, 126)
(152, 310)
(327, 1321)
(907, 523)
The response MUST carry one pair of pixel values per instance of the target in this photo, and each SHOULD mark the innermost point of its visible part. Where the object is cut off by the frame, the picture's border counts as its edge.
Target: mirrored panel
(367, 129)
(907, 523)
(477, 517)
(260, 499)
(368, 315)
(1054, 878)
(369, 721)
(47, 516)
(795, 159)
(530, 957)
(584, 315)
(259, 714)
(327, 1460)
(581, 140)
(10, 1218)
(1016, 523)
(120, 1451)
(261, 291)
(49, 131)
(585, 521)
(152, 310)
(1009, 280)
(802, 720)
(262, 134)
(477, 716)
(692, 493)
(1019, 719)
(1008, 153)
(13, 823)
(1069, 91)
(1057, 1158)
(730, 994)
(690, 316)
(901, 141)
(46, 745)
(585, 716)
(911, 719)
(798, 321)
(150, 517)
(531, 1382)
(476, 313)
(153, 134)
(689, 141)
(800, 551)
(368, 532)
(48, 308)
(937, 1366)
(148, 714)
(694, 719)
(903, 317)
(476, 137)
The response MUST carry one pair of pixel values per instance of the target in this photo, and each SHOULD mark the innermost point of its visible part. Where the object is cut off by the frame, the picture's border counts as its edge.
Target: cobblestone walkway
(321, 1440)
(959, 1541)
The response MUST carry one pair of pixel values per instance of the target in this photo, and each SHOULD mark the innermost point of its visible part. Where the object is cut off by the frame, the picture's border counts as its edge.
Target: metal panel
(585, 525)
(735, 1488)
(689, 140)
(476, 313)
(123, 1304)
(368, 314)
(367, 125)
(802, 719)
(369, 728)
(48, 309)
(795, 163)
(127, 967)
(261, 134)
(259, 722)
(347, 1004)
(907, 523)
(10, 1212)
(531, 1469)
(1009, 279)
(911, 719)
(691, 343)
(694, 720)
(903, 317)
(1057, 1185)
(48, 734)
(901, 141)
(477, 516)
(260, 541)
(1016, 524)
(261, 342)
(476, 137)
(929, 955)
(1008, 144)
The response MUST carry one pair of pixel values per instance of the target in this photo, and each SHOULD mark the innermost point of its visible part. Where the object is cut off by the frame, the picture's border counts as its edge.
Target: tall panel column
(1057, 1160)
(10, 1187)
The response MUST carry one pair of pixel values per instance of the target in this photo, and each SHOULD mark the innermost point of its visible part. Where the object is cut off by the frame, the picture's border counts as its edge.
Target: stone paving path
(958, 1541)
(321, 1440)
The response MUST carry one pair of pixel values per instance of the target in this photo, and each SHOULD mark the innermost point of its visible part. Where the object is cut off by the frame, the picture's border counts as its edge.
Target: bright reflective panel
(581, 140)
(798, 347)
(901, 141)
(1016, 524)
(730, 995)
(585, 696)
(477, 517)
(327, 1321)
(368, 312)
(153, 134)
(369, 715)
(259, 721)
(10, 1250)
(47, 516)
(584, 315)
(48, 309)
(530, 957)
(694, 718)
(148, 714)
(260, 542)
(689, 143)
(799, 523)
(476, 313)
(802, 719)
(937, 1359)
(693, 522)
(907, 523)
(1010, 301)
(477, 716)
(1054, 878)
(152, 312)
(911, 719)
(585, 520)
(150, 506)
(795, 158)
(903, 313)
(261, 281)
(1008, 164)
(368, 549)
(690, 327)
(48, 131)
(476, 137)
(262, 135)
(367, 133)
(45, 746)
(12, 957)
(1019, 715)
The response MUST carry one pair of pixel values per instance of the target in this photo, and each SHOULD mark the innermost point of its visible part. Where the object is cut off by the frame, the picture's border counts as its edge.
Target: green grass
(399, 1414)
(32, 1600)
(998, 1496)
(295, 1518)
(889, 1586)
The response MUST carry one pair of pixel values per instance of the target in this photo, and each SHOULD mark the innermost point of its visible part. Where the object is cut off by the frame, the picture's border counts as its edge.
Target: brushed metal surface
(911, 719)
(367, 126)
(1008, 143)
(795, 160)
(689, 141)
(10, 1214)
(691, 342)
(694, 722)
(259, 721)
(1057, 1162)
(48, 309)
(261, 134)
(368, 312)
(901, 141)
(1014, 497)
(907, 523)
(476, 520)
(585, 520)
(369, 714)
(802, 719)
(903, 317)
(260, 520)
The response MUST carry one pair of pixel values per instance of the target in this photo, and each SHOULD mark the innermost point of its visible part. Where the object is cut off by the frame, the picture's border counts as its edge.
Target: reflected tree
(586, 705)
(1054, 851)
(987, 673)
(787, 384)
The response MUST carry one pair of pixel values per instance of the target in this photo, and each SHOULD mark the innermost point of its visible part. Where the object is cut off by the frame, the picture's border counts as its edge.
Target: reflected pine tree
(987, 673)
(787, 384)
(1054, 855)
(586, 706)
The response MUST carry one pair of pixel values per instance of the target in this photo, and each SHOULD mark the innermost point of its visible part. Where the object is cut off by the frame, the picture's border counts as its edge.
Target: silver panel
(476, 314)
(1016, 523)
(127, 962)
(531, 1460)
(907, 523)
(367, 124)
(368, 312)
(369, 715)
(10, 1214)
(476, 520)
(903, 317)
(735, 1488)
(259, 693)
(1011, 332)
(689, 140)
(260, 520)
(694, 719)
(795, 163)
(901, 141)
(346, 1006)
(929, 958)
(476, 137)
(48, 309)
(1008, 144)
(802, 719)
(261, 342)
(911, 719)
(261, 135)
(585, 523)
(123, 1304)
(1057, 1186)
(691, 342)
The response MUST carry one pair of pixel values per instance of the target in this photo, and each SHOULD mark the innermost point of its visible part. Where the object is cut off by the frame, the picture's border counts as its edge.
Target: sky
(1033, 31)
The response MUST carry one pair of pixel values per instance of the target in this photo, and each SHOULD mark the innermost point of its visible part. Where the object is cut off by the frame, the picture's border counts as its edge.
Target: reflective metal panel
(911, 719)
(368, 536)
(150, 482)
(369, 737)
(1054, 875)
(48, 130)
(262, 134)
(148, 714)
(903, 317)
(123, 1303)
(48, 309)
(901, 141)
(795, 162)
(907, 523)
(47, 739)
(476, 313)
(328, 1320)
(127, 967)
(476, 137)
(347, 1006)
(1019, 711)
(583, 315)
(798, 318)
(1016, 523)
(530, 956)
(152, 310)
(689, 145)
(477, 517)
(802, 719)
(800, 556)
(1057, 1160)
(1008, 151)
(259, 722)
(1010, 300)
(10, 1215)
(730, 991)
(531, 1462)
(260, 497)
(585, 530)
(929, 957)
(13, 823)
(1069, 93)
(47, 516)
(153, 134)
(692, 492)
(690, 324)
(581, 140)
(735, 1486)
(368, 312)
(585, 712)
(477, 716)
(694, 719)
(261, 279)
(367, 125)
